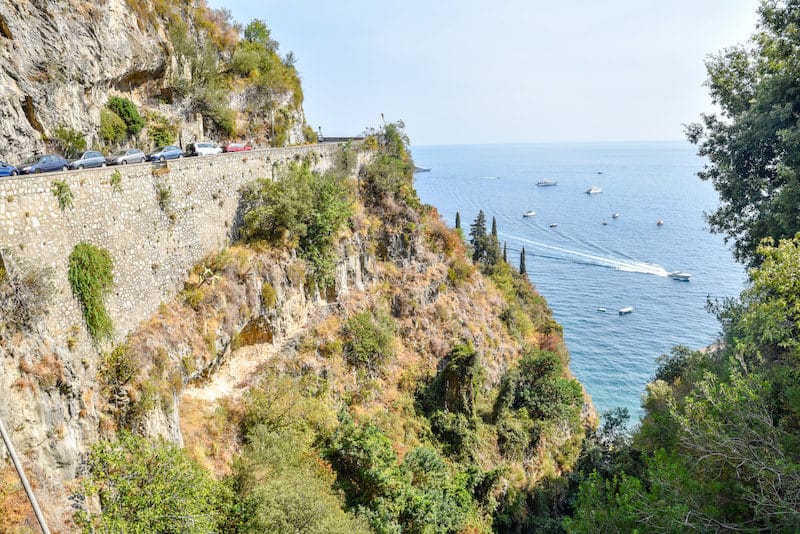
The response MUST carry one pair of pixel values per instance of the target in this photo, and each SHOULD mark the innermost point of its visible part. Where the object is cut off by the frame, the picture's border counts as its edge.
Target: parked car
(236, 147)
(203, 148)
(125, 156)
(43, 163)
(6, 169)
(90, 158)
(165, 152)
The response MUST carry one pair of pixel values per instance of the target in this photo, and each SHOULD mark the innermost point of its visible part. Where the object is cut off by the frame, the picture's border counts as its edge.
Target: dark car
(45, 163)
(6, 169)
(165, 152)
(90, 158)
(125, 156)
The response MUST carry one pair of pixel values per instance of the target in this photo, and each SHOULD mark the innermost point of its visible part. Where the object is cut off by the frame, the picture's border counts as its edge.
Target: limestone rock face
(60, 62)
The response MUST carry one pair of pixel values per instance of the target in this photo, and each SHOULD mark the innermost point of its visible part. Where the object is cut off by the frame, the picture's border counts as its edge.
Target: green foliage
(268, 295)
(369, 339)
(283, 486)
(257, 33)
(309, 134)
(127, 111)
(538, 386)
(161, 130)
(148, 486)
(389, 177)
(70, 142)
(91, 278)
(112, 128)
(753, 143)
(115, 181)
(62, 192)
(164, 196)
(303, 208)
(421, 494)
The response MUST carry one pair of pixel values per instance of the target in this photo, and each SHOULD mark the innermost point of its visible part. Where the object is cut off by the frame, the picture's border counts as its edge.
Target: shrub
(69, 142)
(268, 295)
(116, 181)
(63, 193)
(112, 128)
(302, 207)
(25, 294)
(126, 110)
(160, 130)
(369, 339)
(148, 486)
(91, 278)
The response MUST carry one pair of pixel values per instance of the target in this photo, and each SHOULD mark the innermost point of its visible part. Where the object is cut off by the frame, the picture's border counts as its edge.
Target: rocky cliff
(62, 60)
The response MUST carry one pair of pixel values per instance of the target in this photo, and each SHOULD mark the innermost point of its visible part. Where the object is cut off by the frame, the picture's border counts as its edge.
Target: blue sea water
(582, 265)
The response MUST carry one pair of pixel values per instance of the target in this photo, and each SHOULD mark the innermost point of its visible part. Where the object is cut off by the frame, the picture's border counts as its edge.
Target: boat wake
(627, 265)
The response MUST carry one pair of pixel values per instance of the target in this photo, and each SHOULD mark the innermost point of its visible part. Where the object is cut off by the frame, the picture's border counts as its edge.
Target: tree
(70, 142)
(753, 145)
(458, 220)
(257, 32)
(505, 256)
(126, 110)
(522, 262)
(477, 232)
(149, 486)
(112, 128)
(494, 227)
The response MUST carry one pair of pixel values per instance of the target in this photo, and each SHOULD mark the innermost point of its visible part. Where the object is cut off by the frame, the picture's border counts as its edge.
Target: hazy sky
(463, 71)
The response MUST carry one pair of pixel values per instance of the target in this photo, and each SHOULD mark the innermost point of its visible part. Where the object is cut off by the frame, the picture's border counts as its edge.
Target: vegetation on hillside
(391, 416)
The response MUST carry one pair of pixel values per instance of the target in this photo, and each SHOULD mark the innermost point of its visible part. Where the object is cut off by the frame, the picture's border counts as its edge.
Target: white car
(204, 148)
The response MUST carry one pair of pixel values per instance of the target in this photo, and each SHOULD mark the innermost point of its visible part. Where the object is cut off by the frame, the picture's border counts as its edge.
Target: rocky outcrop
(60, 60)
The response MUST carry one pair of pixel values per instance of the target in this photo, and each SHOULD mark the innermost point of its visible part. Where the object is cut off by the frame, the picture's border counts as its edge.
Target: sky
(467, 71)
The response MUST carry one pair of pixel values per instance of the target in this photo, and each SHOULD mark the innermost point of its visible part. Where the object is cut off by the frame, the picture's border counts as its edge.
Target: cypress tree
(477, 232)
(522, 262)
(494, 227)
(505, 257)
(458, 220)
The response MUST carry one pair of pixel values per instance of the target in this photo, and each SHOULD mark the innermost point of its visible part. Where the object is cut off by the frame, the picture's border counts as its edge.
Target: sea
(589, 264)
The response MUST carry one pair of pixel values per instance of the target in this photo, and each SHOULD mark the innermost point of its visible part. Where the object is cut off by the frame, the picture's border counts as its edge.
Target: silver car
(125, 156)
(90, 158)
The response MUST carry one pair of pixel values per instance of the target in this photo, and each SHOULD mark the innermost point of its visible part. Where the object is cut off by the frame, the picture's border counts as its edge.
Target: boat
(680, 275)
(601, 309)
(422, 169)
(546, 183)
(594, 190)
(599, 172)
(553, 225)
(529, 213)
(615, 216)
(626, 310)
(605, 222)
(660, 223)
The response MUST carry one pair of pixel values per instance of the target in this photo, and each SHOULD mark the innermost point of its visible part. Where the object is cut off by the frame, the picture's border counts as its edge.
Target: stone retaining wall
(152, 246)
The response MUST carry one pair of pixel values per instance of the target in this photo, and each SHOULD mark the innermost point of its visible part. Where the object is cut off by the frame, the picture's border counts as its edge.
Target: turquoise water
(582, 265)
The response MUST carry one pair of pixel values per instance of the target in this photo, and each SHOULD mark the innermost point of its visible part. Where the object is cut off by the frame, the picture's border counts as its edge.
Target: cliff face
(62, 59)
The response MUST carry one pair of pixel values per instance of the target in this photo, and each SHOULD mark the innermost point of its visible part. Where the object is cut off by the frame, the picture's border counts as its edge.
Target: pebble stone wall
(153, 248)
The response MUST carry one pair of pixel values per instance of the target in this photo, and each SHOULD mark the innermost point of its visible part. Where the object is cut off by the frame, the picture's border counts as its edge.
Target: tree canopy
(753, 143)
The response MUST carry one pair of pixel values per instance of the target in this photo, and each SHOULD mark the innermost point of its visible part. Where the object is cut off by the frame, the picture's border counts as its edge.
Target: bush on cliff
(127, 111)
(302, 208)
(91, 278)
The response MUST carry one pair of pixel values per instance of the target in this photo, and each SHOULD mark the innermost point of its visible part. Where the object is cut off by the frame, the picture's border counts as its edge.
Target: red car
(236, 147)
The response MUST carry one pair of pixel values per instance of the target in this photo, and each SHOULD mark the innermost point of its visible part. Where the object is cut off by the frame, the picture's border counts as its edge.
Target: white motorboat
(601, 309)
(594, 190)
(528, 213)
(626, 310)
(680, 275)
(660, 223)
(615, 216)
(553, 225)
(546, 183)
(605, 222)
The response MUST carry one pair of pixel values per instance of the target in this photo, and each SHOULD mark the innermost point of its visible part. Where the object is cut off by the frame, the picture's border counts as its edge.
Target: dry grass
(17, 516)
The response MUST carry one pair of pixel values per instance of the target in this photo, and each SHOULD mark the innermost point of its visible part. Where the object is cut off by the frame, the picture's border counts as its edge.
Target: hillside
(188, 72)
(346, 311)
